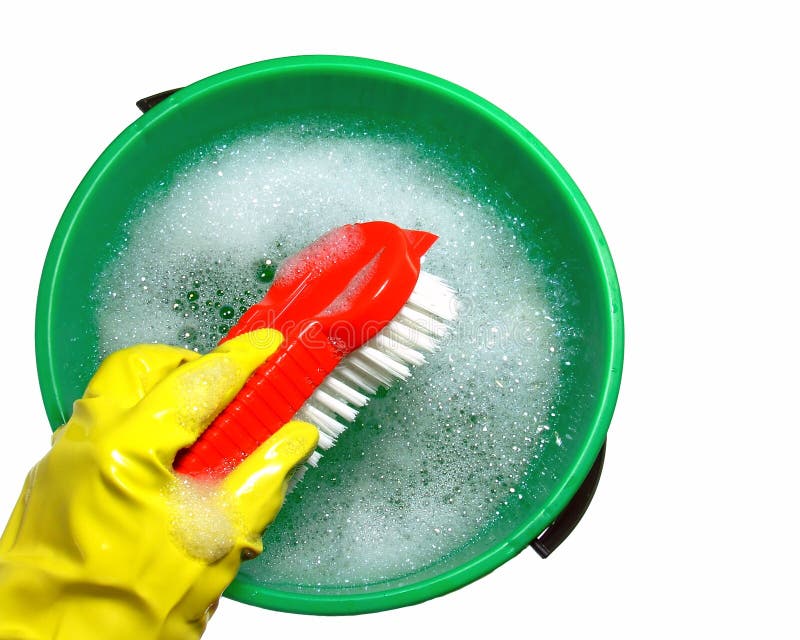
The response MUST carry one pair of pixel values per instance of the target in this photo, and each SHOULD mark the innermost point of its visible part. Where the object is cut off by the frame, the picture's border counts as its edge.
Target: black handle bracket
(549, 540)
(145, 104)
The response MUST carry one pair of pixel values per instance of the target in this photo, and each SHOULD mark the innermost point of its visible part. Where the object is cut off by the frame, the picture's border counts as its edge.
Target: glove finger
(183, 404)
(128, 375)
(258, 485)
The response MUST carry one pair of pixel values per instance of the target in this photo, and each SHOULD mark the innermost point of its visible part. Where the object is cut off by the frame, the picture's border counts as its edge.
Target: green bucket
(278, 89)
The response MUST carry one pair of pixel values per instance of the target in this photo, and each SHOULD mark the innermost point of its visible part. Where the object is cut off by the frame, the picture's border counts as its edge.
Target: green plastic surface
(277, 89)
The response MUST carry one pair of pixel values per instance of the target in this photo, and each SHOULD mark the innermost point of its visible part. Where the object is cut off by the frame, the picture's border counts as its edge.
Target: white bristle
(365, 365)
(413, 337)
(385, 362)
(325, 423)
(398, 349)
(334, 405)
(380, 362)
(435, 296)
(296, 477)
(325, 441)
(421, 320)
(346, 392)
(358, 379)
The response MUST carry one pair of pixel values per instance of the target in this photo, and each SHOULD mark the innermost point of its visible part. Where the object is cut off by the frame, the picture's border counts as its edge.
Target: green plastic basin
(276, 90)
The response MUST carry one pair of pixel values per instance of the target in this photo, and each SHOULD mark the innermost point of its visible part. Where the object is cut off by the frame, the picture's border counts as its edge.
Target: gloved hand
(105, 541)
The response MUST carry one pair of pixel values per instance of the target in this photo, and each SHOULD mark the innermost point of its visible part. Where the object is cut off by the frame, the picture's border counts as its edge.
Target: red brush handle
(268, 400)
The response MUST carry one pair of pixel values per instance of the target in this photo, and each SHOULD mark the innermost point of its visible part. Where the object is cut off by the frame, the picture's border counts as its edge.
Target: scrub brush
(356, 313)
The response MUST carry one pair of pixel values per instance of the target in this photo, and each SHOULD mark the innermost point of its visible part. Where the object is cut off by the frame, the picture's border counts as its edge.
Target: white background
(679, 121)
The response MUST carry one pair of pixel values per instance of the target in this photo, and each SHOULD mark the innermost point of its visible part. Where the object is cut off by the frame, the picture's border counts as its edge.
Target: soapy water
(434, 460)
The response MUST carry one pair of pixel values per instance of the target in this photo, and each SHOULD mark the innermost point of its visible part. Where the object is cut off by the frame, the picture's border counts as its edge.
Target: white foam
(425, 467)
(201, 520)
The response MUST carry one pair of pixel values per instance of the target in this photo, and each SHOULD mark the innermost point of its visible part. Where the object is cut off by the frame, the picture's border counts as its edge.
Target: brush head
(388, 357)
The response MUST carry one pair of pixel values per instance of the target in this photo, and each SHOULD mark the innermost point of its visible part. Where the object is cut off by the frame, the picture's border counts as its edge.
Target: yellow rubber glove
(105, 541)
